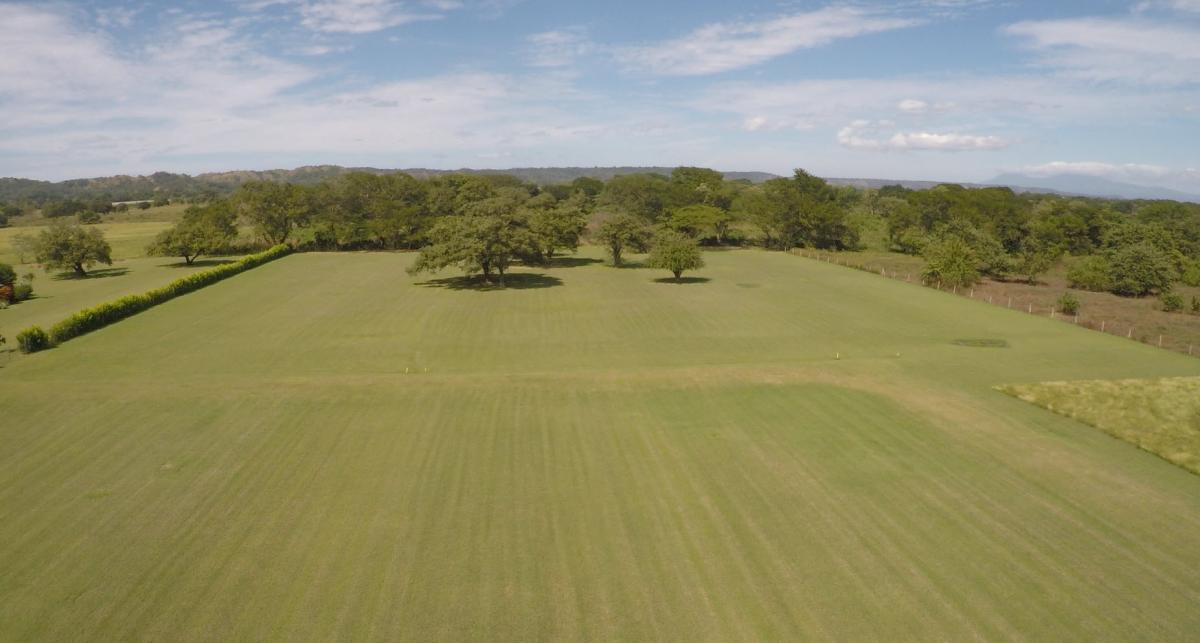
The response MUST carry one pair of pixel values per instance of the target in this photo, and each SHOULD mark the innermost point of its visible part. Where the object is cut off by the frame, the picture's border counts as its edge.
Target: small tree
(951, 262)
(71, 246)
(1068, 304)
(675, 252)
(620, 232)
(7, 275)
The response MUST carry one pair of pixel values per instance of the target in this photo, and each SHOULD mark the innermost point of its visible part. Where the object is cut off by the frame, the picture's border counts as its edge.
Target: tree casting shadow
(683, 280)
(99, 273)
(512, 281)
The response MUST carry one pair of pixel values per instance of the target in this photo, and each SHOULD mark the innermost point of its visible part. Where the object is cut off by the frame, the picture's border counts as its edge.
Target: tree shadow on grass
(572, 262)
(512, 281)
(99, 273)
(683, 280)
(199, 263)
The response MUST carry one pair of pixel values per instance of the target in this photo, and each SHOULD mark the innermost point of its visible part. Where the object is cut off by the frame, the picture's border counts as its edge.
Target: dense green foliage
(90, 319)
(622, 232)
(1068, 304)
(674, 252)
(204, 229)
(65, 246)
(33, 339)
(951, 262)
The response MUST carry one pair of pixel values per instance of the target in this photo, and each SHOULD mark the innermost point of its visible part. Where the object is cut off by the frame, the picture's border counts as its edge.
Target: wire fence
(1022, 304)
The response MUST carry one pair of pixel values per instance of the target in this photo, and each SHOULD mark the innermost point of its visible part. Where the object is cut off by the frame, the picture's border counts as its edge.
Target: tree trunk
(616, 254)
(188, 260)
(79, 271)
(678, 274)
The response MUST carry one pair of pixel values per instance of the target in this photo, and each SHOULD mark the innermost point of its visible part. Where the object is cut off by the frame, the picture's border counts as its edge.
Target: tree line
(484, 223)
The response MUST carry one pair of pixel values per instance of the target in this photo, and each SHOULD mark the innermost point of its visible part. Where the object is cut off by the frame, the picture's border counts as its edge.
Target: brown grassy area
(1140, 319)
(1161, 416)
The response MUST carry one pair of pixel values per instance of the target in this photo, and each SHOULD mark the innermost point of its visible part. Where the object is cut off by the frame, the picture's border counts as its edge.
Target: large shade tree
(205, 229)
(64, 246)
(488, 237)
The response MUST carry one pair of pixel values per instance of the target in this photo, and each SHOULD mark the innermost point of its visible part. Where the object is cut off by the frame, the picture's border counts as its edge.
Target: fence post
(1160, 341)
(1129, 335)
(1010, 302)
(1102, 324)
(1052, 312)
(1030, 309)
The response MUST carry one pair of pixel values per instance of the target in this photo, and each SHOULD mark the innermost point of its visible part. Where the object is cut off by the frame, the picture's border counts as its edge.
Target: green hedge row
(89, 319)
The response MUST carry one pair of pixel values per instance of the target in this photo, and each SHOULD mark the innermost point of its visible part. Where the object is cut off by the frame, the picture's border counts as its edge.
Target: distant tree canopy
(65, 246)
(275, 209)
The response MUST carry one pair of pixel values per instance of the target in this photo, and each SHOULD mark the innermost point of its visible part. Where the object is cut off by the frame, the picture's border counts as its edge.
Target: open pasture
(327, 448)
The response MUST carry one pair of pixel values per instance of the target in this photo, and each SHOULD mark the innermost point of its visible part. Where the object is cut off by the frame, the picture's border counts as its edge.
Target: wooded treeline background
(1128, 247)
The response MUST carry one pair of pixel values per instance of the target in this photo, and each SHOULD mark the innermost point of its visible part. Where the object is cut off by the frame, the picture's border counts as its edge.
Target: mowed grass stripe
(687, 462)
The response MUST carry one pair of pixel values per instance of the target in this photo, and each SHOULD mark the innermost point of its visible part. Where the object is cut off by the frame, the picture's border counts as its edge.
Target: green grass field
(1161, 416)
(128, 240)
(327, 448)
(57, 296)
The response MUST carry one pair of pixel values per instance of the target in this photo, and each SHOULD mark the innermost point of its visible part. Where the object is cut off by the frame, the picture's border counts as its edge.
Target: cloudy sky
(921, 89)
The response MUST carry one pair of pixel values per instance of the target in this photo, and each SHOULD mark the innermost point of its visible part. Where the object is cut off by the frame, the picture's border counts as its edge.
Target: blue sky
(925, 89)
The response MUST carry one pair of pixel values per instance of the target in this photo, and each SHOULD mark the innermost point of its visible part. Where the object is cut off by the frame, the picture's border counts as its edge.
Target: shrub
(1141, 269)
(22, 291)
(1171, 302)
(1068, 304)
(1091, 273)
(951, 262)
(7, 274)
(1196, 305)
(33, 339)
(89, 217)
(96, 317)
(1191, 273)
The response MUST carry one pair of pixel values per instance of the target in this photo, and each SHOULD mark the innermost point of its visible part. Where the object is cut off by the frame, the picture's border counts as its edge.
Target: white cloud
(868, 135)
(1184, 179)
(1175, 5)
(559, 48)
(203, 95)
(1125, 171)
(358, 16)
(952, 100)
(733, 45)
(1102, 49)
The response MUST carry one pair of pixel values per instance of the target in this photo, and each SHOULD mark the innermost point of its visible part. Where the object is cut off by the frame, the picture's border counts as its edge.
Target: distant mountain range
(130, 188)
(1082, 184)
